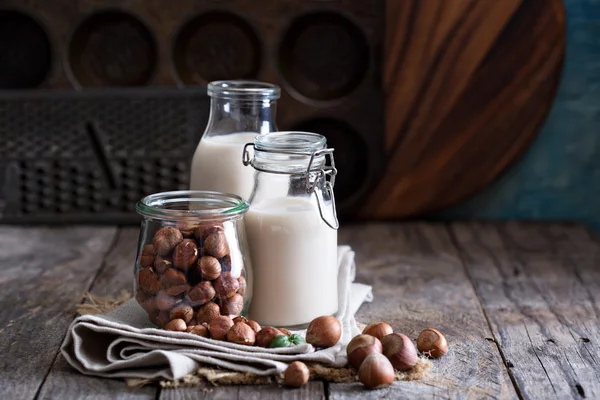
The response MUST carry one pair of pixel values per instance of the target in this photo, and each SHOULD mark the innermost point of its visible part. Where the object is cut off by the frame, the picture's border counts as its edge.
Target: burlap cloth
(123, 344)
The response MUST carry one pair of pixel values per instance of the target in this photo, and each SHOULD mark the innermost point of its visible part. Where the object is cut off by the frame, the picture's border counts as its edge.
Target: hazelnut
(378, 329)
(241, 333)
(200, 330)
(266, 335)
(174, 282)
(400, 350)
(200, 294)
(376, 372)
(166, 239)
(194, 321)
(186, 228)
(284, 331)
(208, 312)
(324, 331)
(254, 325)
(149, 281)
(162, 264)
(232, 305)
(165, 302)
(146, 301)
(242, 283)
(219, 327)
(177, 325)
(185, 254)
(182, 311)
(240, 318)
(226, 285)
(296, 374)
(147, 256)
(163, 319)
(216, 245)
(210, 267)
(203, 231)
(360, 347)
(432, 343)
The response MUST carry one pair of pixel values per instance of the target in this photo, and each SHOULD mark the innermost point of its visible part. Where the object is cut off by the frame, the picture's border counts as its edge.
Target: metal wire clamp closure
(310, 184)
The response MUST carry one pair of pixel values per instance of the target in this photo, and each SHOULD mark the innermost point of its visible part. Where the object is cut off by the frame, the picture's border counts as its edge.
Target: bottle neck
(241, 115)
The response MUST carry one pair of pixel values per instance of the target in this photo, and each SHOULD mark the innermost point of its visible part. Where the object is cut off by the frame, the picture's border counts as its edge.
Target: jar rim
(176, 205)
(243, 89)
(290, 141)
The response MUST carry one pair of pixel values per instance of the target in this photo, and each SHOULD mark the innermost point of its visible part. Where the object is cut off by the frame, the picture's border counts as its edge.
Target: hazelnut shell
(241, 333)
(324, 331)
(207, 312)
(378, 329)
(226, 285)
(232, 305)
(432, 343)
(210, 267)
(266, 335)
(254, 325)
(149, 281)
(219, 327)
(200, 330)
(360, 347)
(296, 374)
(200, 294)
(165, 240)
(216, 245)
(162, 264)
(185, 254)
(182, 311)
(376, 372)
(148, 255)
(400, 350)
(177, 325)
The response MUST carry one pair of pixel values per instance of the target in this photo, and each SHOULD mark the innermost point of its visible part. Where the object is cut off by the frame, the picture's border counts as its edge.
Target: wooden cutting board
(468, 84)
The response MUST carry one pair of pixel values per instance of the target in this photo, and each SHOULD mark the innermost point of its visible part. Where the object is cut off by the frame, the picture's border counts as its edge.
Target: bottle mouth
(240, 89)
(290, 142)
(192, 205)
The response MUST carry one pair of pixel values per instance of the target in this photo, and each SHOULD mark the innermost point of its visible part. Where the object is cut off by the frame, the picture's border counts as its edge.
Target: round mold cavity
(323, 56)
(26, 50)
(216, 45)
(351, 154)
(112, 48)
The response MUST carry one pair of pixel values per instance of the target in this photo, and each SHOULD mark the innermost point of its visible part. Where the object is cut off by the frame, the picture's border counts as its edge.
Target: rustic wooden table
(518, 302)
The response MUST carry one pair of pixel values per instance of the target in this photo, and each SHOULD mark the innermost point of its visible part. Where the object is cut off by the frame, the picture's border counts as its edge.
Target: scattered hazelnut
(432, 343)
(166, 239)
(182, 311)
(232, 305)
(161, 264)
(240, 318)
(200, 330)
(216, 245)
(360, 347)
(163, 319)
(324, 331)
(266, 335)
(210, 267)
(242, 283)
(147, 256)
(376, 372)
(185, 254)
(254, 325)
(165, 302)
(296, 374)
(378, 329)
(285, 331)
(226, 285)
(241, 333)
(146, 301)
(200, 294)
(203, 231)
(219, 327)
(400, 350)
(149, 281)
(177, 325)
(208, 312)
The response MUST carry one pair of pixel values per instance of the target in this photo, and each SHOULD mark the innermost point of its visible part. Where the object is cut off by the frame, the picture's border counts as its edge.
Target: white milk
(217, 165)
(294, 260)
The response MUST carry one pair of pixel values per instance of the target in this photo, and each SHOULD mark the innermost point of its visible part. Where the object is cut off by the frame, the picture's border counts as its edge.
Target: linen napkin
(123, 344)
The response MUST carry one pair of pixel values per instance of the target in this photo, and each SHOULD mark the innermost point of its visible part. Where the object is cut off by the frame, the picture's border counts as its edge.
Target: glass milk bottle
(291, 227)
(239, 111)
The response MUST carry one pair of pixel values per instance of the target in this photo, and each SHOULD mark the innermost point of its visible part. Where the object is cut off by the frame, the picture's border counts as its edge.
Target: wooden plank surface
(43, 273)
(541, 313)
(115, 275)
(314, 390)
(419, 282)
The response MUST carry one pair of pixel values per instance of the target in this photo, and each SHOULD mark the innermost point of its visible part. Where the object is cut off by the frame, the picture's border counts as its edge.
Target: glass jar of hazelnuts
(191, 263)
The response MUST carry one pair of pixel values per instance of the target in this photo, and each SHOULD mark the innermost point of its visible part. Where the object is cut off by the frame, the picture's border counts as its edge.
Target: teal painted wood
(559, 176)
